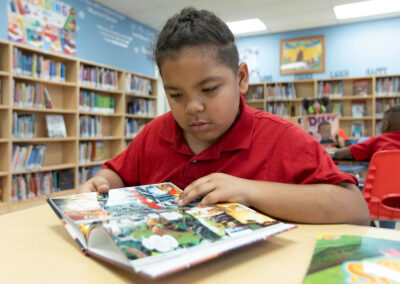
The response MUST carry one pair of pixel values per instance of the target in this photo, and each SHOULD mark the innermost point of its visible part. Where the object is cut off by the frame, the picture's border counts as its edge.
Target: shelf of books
(141, 104)
(360, 102)
(61, 118)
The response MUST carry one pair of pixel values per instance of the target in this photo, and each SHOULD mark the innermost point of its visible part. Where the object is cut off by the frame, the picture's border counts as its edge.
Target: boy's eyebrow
(209, 79)
(202, 82)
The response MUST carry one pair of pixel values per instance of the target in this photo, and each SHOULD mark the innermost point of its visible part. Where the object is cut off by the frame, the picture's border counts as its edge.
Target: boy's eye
(175, 96)
(209, 90)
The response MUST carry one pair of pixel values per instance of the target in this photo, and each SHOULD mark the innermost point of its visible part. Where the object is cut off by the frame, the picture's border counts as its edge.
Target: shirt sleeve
(126, 164)
(305, 161)
(363, 151)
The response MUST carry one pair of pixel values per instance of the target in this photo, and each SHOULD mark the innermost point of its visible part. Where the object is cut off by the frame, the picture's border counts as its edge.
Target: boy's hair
(393, 109)
(323, 123)
(393, 116)
(194, 28)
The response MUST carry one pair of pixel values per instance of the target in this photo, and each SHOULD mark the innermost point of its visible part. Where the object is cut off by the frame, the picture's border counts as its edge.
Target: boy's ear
(243, 76)
(385, 125)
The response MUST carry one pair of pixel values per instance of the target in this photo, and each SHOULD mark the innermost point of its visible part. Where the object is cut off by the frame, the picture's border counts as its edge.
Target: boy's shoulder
(266, 119)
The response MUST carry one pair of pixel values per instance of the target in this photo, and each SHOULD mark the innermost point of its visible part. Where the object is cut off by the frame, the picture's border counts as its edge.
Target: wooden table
(36, 248)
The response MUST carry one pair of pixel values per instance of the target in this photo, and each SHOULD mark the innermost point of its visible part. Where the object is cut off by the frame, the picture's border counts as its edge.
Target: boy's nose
(194, 106)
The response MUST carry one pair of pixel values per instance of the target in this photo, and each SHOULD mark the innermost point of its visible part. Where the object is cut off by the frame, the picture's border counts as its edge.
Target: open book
(141, 228)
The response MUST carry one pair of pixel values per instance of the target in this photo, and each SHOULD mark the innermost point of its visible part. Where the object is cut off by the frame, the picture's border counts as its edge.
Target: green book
(354, 259)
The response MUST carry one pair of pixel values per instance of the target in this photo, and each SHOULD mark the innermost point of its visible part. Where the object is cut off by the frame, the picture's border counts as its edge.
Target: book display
(60, 117)
(143, 230)
(358, 101)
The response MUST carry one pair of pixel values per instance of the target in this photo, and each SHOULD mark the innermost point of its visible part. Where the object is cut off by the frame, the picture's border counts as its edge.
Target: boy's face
(325, 131)
(203, 94)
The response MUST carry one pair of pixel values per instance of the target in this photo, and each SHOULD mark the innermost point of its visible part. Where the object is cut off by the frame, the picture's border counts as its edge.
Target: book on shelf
(138, 85)
(28, 157)
(330, 89)
(388, 86)
(323, 127)
(360, 87)
(55, 125)
(47, 98)
(337, 108)
(142, 229)
(38, 66)
(98, 151)
(358, 109)
(358, 129)
(23, 125)
(354, 259)
(256, 93)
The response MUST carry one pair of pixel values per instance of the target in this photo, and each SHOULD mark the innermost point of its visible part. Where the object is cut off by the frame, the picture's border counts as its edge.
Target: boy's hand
(216, 187)
(98, 183)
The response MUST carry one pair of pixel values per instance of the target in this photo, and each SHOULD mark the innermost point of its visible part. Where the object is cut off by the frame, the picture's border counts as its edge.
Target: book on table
(142, 229)
(354, 259)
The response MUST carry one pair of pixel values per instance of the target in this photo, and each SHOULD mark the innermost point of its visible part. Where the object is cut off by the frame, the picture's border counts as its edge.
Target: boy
(216, 147)
(389, 140)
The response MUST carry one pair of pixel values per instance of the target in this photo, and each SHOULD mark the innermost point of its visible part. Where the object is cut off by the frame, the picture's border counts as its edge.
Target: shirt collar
(237, 137)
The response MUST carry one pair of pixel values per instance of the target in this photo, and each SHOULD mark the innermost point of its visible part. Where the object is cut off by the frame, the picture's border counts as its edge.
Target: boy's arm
(309, 203)
(343, 154)
(102, 181)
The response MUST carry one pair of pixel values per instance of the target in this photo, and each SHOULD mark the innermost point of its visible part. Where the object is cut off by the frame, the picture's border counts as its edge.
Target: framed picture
(302, 55)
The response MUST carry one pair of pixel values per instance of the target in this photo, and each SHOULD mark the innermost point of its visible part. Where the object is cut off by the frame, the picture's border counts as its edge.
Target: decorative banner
(46, 24)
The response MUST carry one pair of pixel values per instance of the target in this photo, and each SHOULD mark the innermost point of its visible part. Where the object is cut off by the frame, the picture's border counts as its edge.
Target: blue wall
(351, 50)
(130, 41)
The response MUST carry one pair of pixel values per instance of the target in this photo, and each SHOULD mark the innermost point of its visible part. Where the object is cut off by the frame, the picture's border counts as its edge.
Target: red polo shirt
(386, 141)
(259, 146)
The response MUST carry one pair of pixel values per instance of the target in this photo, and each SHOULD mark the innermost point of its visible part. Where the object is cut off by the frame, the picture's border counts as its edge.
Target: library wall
(352, 50)
(105, 36)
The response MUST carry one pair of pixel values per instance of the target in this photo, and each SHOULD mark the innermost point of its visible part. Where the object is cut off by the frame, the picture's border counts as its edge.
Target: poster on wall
(302, 55)
(46, 24)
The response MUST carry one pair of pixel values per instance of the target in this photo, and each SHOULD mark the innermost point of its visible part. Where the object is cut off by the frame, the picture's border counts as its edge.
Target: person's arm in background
(343, 154)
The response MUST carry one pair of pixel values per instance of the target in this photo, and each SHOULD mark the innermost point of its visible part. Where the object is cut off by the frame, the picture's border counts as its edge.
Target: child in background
(389, 140)
(218, 148)
(325, 130)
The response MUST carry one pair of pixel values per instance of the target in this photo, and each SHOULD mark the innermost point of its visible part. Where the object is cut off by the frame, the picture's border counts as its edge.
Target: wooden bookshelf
(373, 94)
(109, 106)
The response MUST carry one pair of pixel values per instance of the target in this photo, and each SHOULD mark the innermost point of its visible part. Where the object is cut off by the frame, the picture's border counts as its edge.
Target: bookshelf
(357, 100)
(95, 102)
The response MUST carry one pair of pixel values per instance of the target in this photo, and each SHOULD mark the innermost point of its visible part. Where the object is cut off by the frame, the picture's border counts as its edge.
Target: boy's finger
(101, 185)
(87, 187)
(194, 193)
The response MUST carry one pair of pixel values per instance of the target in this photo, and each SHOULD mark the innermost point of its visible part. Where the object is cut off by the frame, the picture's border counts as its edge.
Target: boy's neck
(196, 145)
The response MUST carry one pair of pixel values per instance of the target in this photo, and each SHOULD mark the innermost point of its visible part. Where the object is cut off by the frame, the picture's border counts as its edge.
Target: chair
(382, 185)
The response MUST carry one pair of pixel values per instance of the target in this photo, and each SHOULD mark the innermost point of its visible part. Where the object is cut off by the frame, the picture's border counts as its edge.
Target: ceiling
(278, 15)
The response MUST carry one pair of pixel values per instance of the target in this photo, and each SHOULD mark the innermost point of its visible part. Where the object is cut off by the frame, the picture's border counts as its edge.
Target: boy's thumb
(102, 185)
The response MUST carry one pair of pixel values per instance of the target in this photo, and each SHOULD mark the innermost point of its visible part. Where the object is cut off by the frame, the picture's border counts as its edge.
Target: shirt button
(194, 161)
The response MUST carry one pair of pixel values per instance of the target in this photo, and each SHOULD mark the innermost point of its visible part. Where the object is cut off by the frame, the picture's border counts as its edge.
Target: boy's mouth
(199, 125)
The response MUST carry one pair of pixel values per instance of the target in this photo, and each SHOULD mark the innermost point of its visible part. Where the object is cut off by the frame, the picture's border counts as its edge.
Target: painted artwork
(50, 25)
(302, 55)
